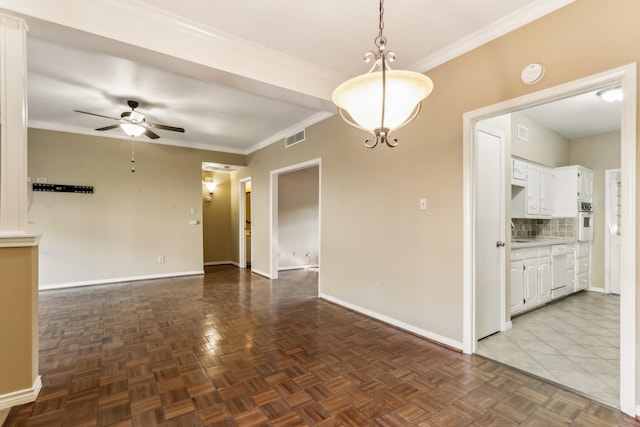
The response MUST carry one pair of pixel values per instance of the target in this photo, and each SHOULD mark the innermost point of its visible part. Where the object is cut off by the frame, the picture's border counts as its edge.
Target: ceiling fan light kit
(134, 123)
(383, 99)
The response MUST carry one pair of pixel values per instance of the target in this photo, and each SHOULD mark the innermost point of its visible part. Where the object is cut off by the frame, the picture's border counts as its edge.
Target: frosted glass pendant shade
(361, 97)
(131, 129)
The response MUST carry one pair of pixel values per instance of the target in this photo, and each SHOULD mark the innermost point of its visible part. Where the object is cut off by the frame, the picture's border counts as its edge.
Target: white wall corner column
(13, 114)
(19, 377)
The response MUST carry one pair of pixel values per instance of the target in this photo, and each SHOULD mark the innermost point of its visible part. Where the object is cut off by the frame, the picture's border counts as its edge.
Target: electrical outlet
(160, 259)
(376, 289)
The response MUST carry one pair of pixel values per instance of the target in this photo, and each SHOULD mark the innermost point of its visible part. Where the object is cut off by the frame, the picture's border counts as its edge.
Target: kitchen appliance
(585, 222)
(560, 265)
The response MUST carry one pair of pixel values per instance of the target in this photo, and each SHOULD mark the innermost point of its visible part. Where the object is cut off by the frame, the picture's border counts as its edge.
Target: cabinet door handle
(500, 244)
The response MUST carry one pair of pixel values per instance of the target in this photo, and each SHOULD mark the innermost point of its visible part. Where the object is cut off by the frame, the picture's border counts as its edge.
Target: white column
(13, 116)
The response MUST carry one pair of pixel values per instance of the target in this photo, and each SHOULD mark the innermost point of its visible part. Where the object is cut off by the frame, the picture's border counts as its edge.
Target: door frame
(608, 174)
(242, 215)
(625, 76)
(273, 210)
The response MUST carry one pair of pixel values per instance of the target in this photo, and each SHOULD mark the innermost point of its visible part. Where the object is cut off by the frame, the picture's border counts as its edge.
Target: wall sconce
(211, 187)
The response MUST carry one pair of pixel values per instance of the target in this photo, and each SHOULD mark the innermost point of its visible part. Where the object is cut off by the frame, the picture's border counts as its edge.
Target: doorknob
(499, 244)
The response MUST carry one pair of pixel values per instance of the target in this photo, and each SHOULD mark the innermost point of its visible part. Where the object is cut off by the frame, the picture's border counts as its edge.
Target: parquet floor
(232, 348)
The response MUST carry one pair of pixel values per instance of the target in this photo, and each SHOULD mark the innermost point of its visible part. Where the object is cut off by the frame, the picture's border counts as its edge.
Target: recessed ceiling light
(612, 94)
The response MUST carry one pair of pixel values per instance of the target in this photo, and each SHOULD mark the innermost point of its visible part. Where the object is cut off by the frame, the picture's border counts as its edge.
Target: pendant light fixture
(383, 99)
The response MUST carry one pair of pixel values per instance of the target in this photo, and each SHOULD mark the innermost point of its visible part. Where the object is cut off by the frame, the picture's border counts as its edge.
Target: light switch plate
(423, 204)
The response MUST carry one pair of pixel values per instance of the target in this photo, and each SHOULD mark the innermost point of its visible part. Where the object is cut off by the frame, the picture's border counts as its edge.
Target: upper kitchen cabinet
(572, 184)
(532, 197)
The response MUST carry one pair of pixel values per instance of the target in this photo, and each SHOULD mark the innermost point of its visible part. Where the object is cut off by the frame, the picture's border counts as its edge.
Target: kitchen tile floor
(574, 342)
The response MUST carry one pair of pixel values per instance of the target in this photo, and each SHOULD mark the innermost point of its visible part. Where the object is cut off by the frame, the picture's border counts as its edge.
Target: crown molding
(491, 32)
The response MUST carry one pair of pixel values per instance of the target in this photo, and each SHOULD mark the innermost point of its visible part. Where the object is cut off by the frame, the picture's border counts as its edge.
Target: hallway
(233, 348)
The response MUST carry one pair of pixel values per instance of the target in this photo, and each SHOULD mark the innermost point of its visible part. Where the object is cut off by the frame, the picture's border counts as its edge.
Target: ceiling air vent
(294, 139)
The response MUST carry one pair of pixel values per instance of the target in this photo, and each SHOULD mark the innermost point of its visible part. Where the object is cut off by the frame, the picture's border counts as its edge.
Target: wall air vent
(294, 139)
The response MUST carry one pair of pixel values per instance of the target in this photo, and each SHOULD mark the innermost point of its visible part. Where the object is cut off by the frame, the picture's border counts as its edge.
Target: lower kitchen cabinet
(583, 266)
(530, 278)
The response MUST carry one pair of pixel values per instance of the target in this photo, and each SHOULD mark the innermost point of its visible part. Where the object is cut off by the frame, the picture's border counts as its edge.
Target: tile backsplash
(554, 227)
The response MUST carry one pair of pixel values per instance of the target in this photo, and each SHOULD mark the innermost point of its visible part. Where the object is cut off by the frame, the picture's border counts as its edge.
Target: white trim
(637, 411)
(261, 273)
(273, 209)
(15, 240)
(119, 280)
(394, 322)
(626, 76)
(597, 290)
(21, 397)
(309, 121)
(508, 325)
(209, 264)
(278, 136)
(608, 176)
(491, 32)
(298, 267)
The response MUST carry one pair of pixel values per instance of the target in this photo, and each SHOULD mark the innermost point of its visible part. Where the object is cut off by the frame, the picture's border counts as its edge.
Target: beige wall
(19, 318)
(372, 229)
(544, 146)
(132, 218)
(598, 153)
(298, 218)
(216, 220)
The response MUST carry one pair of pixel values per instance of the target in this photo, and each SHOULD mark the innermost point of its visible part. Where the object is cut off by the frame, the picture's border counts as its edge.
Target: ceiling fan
(134, 123)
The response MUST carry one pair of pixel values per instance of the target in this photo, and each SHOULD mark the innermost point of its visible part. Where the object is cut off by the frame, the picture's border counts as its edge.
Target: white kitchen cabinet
(571, 268)
(535, 198)
(583, 266)
(585, 185)
(546, 192)
(517, 282)
(533, 190)
(530, 278)
(544, 278)
(518, 172)
(571, 184)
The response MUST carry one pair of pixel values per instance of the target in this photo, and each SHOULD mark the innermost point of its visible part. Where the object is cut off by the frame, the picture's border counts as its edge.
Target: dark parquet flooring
(235, 349)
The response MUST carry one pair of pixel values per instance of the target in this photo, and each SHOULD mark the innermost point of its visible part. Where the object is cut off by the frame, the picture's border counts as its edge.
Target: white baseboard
(394, 322)
(638, 411)
(208, 264)
(261, 273)
(21, 397)
(508, 325)
(297, 267)
(598, 290)
(120, 280)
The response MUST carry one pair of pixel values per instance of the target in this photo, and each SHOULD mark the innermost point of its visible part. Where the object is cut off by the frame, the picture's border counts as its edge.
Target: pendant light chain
(381, 26)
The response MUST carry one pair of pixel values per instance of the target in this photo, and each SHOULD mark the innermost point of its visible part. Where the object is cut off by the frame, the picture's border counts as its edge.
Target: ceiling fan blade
(165, 127)
(108, 127)
(150, 134)
(94, 114)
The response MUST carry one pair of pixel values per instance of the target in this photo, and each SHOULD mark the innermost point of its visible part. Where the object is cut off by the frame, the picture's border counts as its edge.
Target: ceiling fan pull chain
(133, 157)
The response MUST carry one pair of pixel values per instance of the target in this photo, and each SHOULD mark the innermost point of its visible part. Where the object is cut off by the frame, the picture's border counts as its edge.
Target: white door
(489, 237)
(612, 231)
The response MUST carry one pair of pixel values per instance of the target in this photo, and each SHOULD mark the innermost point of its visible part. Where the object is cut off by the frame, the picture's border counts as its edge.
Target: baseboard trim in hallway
(120, 280)
(439, 339)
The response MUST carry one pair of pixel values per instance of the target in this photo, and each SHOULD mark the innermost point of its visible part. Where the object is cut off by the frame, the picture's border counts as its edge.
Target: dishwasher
(559, 265)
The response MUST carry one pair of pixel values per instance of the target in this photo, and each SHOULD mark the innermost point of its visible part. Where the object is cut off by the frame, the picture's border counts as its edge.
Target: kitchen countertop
(531, 242)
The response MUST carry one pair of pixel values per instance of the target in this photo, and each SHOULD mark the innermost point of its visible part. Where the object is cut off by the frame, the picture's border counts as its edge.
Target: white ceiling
(236, 75)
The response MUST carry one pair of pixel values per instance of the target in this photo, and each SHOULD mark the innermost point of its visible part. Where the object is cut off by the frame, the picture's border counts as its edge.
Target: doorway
(275, 252)
(244, 232)
(626, 77)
